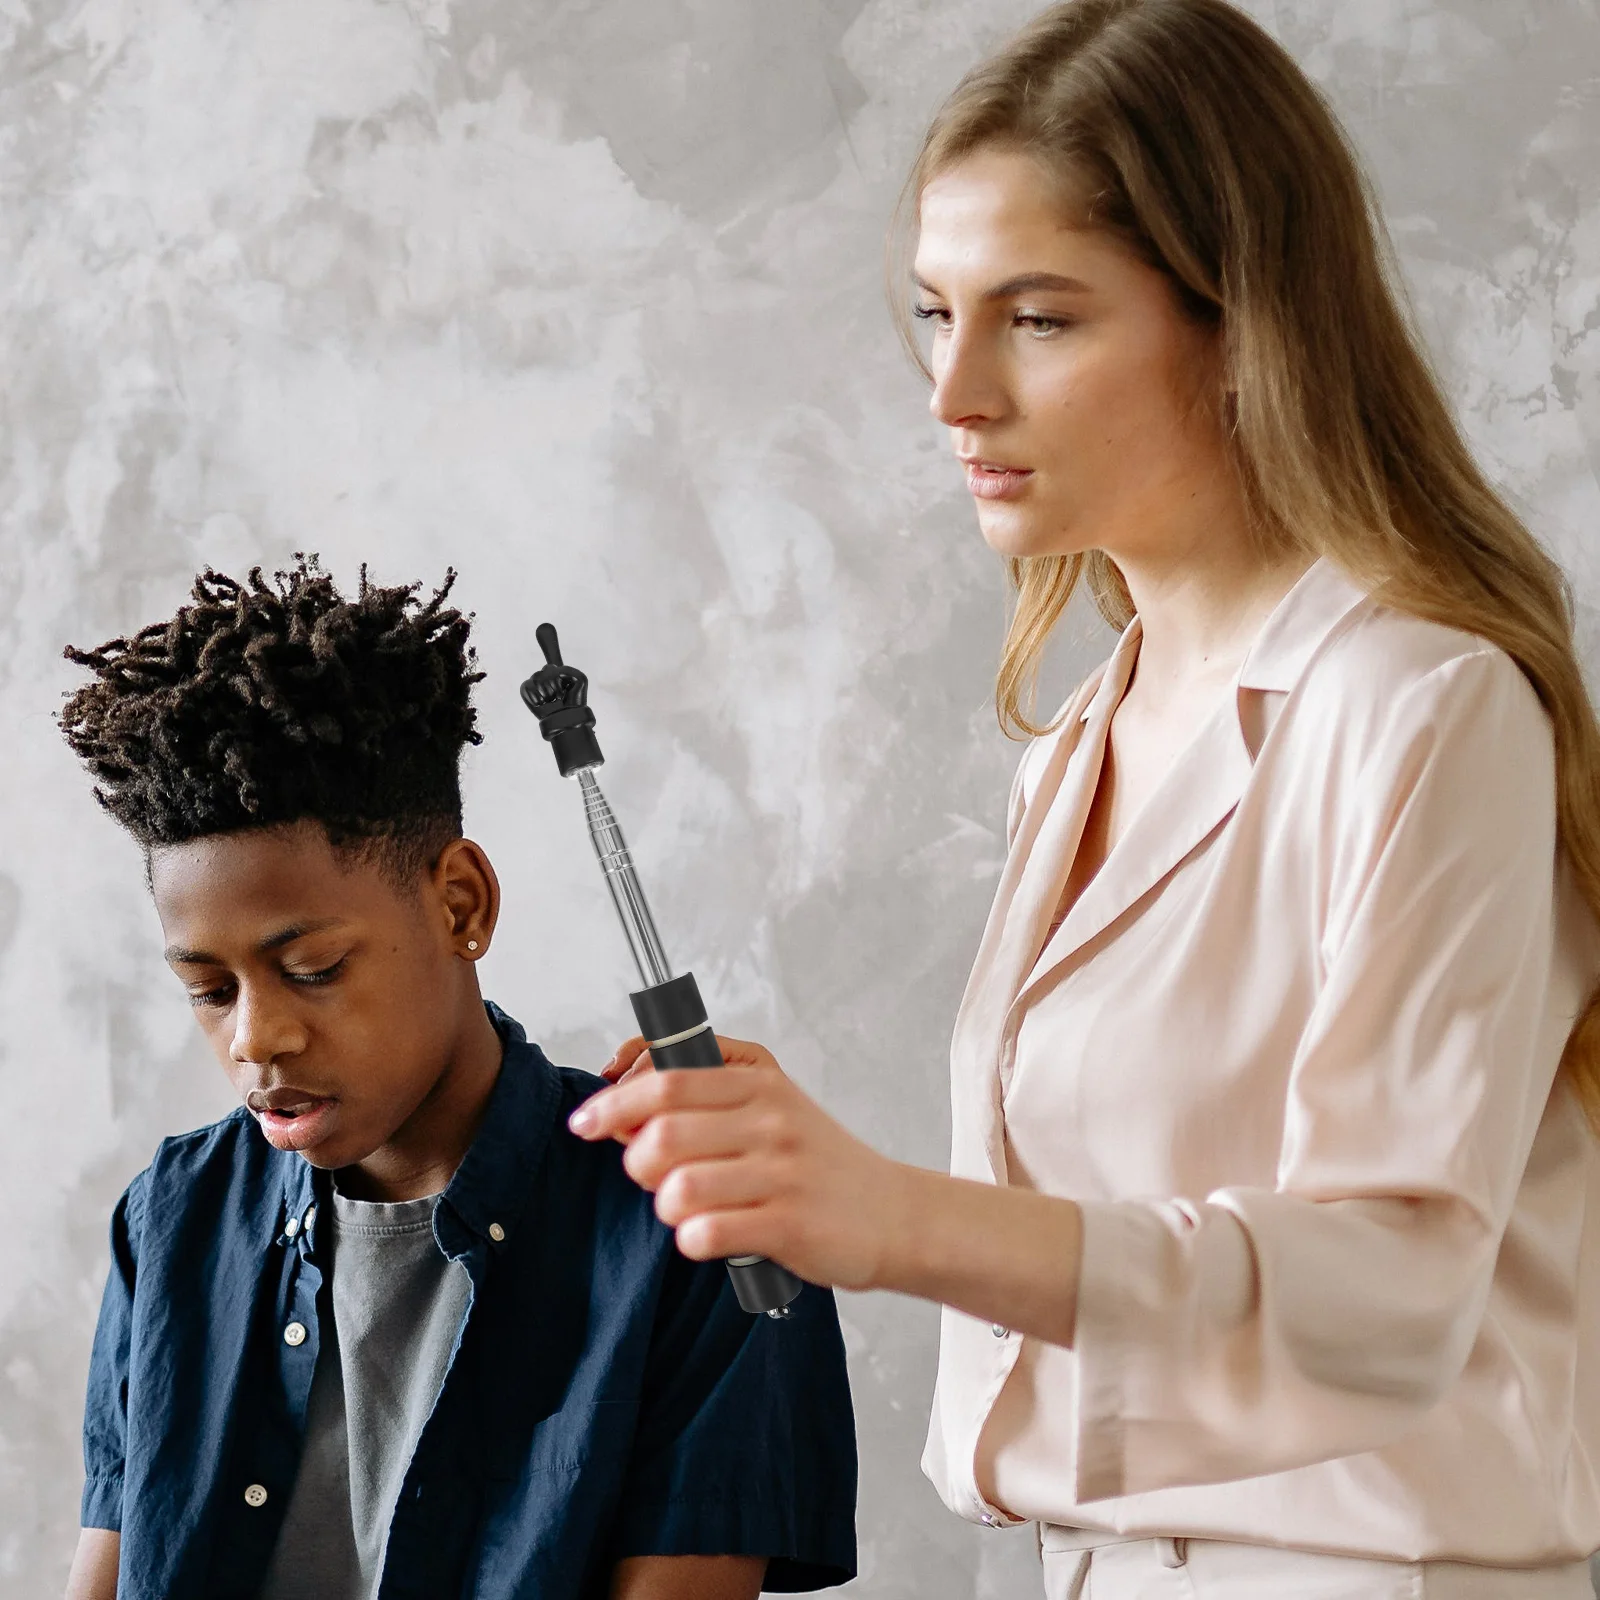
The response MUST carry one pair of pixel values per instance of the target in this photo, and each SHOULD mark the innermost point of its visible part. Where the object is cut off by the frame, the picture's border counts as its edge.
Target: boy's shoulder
(226, 1163)
(598, 1161)
(232, 1142)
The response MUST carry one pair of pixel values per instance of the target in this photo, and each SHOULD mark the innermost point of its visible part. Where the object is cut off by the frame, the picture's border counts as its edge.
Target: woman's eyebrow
(177, 955)
(1023, 283)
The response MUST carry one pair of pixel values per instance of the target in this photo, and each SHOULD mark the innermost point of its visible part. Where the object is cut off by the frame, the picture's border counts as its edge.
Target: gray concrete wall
(585, 297)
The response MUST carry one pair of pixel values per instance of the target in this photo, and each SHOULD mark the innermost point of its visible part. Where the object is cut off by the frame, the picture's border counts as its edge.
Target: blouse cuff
(1161, 1284)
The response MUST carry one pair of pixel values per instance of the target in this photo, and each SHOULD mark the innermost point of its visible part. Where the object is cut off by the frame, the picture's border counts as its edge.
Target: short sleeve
(746, 1439)
(105, 1412)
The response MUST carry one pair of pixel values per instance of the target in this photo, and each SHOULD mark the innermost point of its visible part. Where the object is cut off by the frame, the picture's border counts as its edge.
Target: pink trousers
(1208, 1569)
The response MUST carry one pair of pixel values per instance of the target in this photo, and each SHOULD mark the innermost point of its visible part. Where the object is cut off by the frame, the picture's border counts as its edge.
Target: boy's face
(334, 999)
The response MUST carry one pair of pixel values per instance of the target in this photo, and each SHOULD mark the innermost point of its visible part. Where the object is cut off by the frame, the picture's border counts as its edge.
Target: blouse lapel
(1198, 793)
(1022, 908)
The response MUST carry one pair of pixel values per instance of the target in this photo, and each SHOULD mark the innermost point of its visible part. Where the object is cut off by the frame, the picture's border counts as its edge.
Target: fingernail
(581, 1120)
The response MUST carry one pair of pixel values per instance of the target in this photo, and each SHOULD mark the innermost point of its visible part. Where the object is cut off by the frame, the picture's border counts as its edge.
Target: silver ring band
(678, 1038)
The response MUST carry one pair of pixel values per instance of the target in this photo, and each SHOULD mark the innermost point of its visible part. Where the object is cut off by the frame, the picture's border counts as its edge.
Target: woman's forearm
(1006, 1256)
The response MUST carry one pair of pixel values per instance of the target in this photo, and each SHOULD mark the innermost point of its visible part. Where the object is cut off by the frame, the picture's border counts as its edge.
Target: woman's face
(1070, 380)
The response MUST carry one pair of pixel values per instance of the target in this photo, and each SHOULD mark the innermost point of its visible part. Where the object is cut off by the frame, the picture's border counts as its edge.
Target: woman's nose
(967, 388)
(263, 1031)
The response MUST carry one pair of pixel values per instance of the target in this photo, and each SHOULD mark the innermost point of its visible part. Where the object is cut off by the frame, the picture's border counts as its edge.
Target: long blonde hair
(1207, 151)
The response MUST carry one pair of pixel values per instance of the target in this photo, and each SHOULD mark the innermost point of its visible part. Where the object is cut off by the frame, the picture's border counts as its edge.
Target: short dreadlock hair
(263, 704)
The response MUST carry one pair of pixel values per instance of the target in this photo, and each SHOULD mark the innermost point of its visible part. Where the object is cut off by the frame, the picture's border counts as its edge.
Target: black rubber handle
(673, 1013)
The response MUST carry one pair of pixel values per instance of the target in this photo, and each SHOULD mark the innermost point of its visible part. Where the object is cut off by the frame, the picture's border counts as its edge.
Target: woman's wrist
(1004, 1255)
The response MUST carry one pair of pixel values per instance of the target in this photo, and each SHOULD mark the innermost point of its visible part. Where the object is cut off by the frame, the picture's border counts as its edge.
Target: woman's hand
(743, 1162)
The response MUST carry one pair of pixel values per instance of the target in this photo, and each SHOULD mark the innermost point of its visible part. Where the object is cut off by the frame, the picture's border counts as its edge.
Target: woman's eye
(1038, 322)
(930, 313)
(211, 997)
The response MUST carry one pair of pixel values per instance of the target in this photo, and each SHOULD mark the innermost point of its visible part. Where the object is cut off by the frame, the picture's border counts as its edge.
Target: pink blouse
(1293, 1049)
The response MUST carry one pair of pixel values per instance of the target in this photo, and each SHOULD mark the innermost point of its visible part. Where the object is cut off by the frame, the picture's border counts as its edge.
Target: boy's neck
(422, 1156)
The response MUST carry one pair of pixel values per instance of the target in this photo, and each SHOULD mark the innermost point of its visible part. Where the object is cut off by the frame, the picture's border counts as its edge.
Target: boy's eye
(320, 975)
(222, 994)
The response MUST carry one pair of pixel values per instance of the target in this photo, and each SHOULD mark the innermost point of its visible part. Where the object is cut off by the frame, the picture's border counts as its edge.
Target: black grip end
(763, 1285)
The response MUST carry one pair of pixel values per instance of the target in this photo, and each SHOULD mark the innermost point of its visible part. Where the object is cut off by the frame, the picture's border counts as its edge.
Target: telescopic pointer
(672, 1016)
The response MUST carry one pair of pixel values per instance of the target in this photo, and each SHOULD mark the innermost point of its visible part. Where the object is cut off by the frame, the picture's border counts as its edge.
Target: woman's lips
(299, 1124)
(989, 481)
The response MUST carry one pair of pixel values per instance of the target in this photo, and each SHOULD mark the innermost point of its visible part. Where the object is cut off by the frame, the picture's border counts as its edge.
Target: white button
(999, 1330)
(292, 1226)
(497, 1233)
(255, 1495)
(988, 1521)
(311, 1215)
(295, 1333)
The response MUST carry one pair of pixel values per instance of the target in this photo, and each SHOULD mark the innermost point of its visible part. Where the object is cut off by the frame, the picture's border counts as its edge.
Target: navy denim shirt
(606, 1397)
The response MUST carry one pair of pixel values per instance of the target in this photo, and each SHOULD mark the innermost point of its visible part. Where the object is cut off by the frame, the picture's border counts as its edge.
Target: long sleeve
(1264, 1328)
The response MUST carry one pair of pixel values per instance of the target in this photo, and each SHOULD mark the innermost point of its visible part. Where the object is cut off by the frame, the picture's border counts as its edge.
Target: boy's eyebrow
(1023, 283)
(178, 956)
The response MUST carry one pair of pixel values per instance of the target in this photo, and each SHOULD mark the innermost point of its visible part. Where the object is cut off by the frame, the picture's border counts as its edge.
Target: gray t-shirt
(398, 1306)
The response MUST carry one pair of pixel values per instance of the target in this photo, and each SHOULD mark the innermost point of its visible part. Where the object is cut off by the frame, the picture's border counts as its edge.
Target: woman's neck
(1198, 618)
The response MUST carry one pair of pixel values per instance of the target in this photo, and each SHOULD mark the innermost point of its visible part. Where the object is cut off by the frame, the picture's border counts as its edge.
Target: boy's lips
(292, 1119)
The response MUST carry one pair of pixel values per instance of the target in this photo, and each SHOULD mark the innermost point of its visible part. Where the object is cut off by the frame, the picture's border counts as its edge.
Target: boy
(389, 1330)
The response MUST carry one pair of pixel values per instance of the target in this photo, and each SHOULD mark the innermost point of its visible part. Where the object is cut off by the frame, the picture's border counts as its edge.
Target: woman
(1270, 1253)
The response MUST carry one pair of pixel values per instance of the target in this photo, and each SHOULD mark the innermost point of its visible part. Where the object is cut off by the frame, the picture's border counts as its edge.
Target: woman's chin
(1020, 537)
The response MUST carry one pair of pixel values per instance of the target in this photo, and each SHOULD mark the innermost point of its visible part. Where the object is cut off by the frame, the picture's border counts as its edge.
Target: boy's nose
(263, 1032)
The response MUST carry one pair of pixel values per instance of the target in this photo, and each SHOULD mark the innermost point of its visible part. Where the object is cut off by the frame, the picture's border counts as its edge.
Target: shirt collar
(489, 1187)
(1117, 671)
(1299, 624)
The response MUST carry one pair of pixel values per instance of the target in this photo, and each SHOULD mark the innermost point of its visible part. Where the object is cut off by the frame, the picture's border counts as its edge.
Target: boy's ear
(469, 893)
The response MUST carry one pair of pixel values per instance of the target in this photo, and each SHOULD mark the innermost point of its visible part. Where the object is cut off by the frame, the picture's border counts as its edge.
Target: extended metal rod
(623, 882)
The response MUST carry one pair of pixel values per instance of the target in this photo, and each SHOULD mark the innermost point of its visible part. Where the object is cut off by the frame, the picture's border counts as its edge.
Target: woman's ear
(469, 894)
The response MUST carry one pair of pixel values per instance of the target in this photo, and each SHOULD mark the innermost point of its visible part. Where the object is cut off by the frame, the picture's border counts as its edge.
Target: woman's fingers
(631, 1056)
(745, 1053)
(616, 1113)
(701, 1187)
(679, 1138)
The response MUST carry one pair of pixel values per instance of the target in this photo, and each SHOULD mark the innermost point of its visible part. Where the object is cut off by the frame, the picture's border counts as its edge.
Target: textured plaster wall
(584, 296)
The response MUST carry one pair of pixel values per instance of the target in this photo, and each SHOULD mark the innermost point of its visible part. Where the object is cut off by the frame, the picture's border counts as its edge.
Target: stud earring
(472, 944)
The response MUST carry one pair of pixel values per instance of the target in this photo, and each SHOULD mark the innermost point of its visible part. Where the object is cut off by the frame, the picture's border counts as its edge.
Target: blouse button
(295, 1333)
(989, 1521)
(292, 1226)
(999, 1330)
(497, 1233)
(255, 1496)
